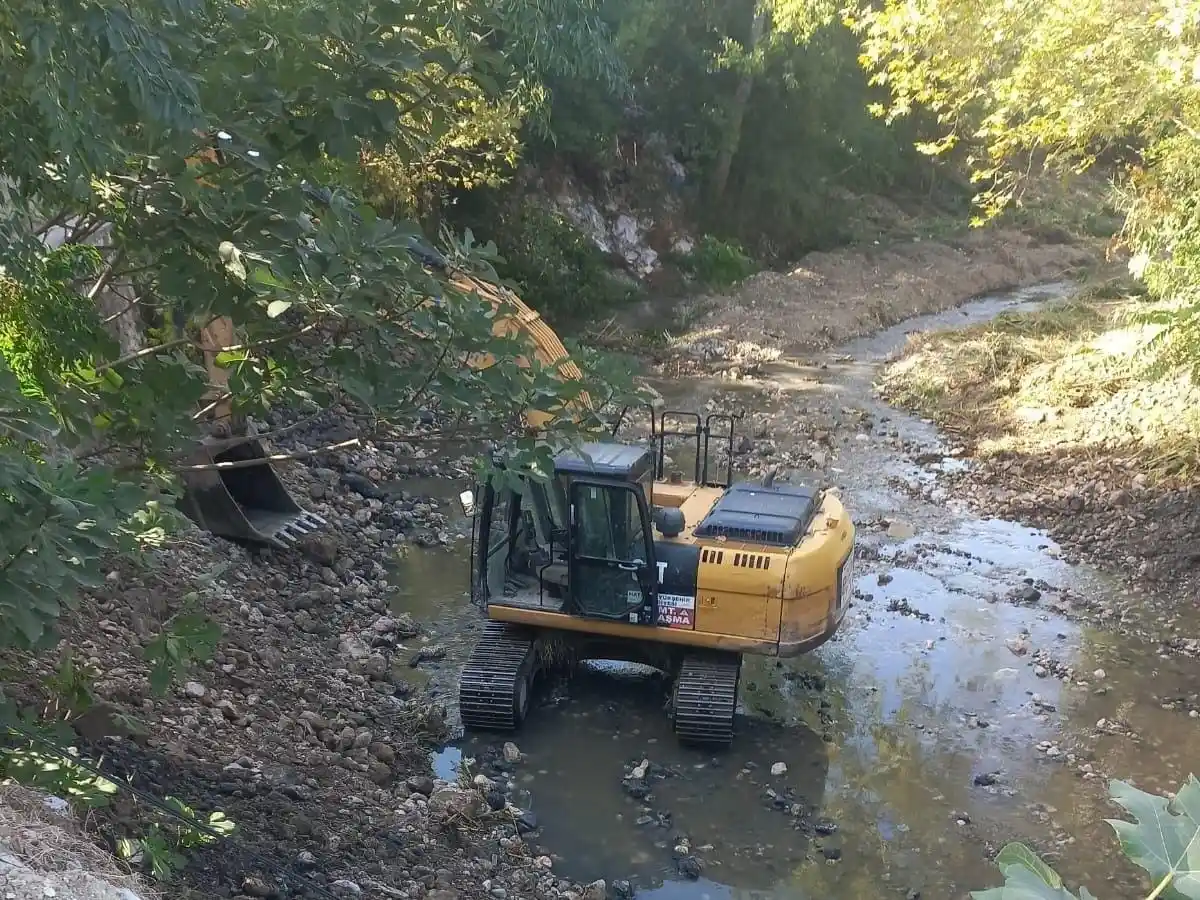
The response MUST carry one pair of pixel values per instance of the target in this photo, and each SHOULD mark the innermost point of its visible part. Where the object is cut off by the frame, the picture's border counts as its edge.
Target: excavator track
(493, 690)
(706, 699)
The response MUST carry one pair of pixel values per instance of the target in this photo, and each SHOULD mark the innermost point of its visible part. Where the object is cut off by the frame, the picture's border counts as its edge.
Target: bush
(1162, 840)
(717, 263)
(554, 267)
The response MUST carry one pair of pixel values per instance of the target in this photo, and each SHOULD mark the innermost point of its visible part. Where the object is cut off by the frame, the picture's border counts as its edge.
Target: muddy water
(922, 736)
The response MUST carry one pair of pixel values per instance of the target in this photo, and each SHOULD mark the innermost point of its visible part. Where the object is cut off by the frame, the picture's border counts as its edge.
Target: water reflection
(747, 827)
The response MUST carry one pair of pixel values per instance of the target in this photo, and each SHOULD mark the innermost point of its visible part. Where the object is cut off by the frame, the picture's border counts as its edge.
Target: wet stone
(637, 789)
(825, 826)
(420, 784)
(527, 822)
(689, 867)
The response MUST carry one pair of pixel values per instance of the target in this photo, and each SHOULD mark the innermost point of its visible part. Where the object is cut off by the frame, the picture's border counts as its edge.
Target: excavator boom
(233, 491)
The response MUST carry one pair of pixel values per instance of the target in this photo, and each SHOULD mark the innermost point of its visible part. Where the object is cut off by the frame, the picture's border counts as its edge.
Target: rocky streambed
(969, 700)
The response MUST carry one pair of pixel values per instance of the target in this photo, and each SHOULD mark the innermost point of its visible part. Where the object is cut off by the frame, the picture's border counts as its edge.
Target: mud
(967, 702)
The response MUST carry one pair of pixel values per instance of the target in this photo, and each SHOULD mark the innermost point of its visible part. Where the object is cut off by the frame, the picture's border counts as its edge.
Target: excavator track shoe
(493, 690)
(706, 699)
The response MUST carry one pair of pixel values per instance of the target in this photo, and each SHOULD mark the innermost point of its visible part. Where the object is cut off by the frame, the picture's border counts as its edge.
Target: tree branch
(105, 277)
(273, 458)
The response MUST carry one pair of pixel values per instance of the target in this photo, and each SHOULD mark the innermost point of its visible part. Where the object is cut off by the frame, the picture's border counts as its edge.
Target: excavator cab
(580, 542)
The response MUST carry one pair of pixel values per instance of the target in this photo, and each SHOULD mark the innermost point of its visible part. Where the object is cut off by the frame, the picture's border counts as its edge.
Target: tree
(193, 135)
(1026, 86)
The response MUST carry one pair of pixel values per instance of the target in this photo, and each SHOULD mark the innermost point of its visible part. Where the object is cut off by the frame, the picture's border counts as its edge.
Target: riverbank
(1073, 426)
(832, 297)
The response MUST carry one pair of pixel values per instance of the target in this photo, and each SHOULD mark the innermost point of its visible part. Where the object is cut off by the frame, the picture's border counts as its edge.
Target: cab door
(613, 572)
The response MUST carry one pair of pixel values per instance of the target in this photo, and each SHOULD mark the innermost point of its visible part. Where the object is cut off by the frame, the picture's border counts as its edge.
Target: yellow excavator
(610, 556)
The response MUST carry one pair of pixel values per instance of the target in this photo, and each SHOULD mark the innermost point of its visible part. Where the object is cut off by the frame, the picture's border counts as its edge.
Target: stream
(960, 706)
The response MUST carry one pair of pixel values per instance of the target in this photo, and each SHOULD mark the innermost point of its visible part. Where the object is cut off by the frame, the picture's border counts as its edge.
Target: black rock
(527, 822)
(1027, 594)
(421, 784)
(362, 485)
(986, 779)
(622, 890)
(637, 789)
(496, 800)
(689, 867)
(824, 826)
(831, 852)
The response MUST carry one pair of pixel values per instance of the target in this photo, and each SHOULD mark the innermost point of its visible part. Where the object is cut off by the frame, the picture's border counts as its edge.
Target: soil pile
(830, 298)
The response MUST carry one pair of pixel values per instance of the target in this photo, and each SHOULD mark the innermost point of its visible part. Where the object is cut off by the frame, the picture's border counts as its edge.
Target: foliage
(161, 849)
(188, 134)
(190, 637)
(554, 267)
(1163, 839)
(1022, 87)
(715, 262)
(802, 139)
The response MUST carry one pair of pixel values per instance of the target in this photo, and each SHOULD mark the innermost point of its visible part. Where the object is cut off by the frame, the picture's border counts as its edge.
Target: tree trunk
(737, 108)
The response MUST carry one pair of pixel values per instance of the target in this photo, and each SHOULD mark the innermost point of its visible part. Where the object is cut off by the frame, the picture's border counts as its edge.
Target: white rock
(779, 768)
(1100, 674)
(195, 690)
(512, 753)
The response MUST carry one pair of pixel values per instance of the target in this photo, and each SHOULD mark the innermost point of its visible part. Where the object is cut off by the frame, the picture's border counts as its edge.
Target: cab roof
(605, 460)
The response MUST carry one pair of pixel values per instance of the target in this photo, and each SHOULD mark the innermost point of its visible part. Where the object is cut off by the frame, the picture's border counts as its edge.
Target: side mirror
(467, 501)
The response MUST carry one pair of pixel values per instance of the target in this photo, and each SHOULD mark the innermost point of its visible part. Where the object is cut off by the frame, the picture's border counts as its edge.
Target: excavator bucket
(241, 499)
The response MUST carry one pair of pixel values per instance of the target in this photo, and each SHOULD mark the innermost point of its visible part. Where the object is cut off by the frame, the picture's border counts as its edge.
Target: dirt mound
(832, 297)
(43, 853)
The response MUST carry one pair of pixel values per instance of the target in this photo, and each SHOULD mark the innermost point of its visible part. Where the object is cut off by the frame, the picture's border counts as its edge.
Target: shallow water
(916, 740)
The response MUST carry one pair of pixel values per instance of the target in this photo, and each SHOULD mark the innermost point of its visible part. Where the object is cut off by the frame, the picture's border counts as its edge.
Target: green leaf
(1164, 839)
(1026, 877)
(1017, 854)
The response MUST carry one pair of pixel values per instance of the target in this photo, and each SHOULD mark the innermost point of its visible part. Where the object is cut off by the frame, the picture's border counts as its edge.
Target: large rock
(458, 802)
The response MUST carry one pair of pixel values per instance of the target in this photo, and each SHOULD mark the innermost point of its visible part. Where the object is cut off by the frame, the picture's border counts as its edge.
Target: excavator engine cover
(244, 503)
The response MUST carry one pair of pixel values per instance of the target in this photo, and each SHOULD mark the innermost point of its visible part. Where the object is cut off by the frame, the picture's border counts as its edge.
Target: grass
(1078, 376)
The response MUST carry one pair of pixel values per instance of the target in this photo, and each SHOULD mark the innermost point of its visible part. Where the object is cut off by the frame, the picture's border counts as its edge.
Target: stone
(457, 801)
(382, 752)
(420, 784)
(512, 753)
(194, 690)
(321, 548)
(779, 768)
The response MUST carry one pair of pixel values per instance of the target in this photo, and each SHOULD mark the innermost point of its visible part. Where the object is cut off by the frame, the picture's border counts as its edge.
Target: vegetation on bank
(1081, 376)
(1021, 89)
